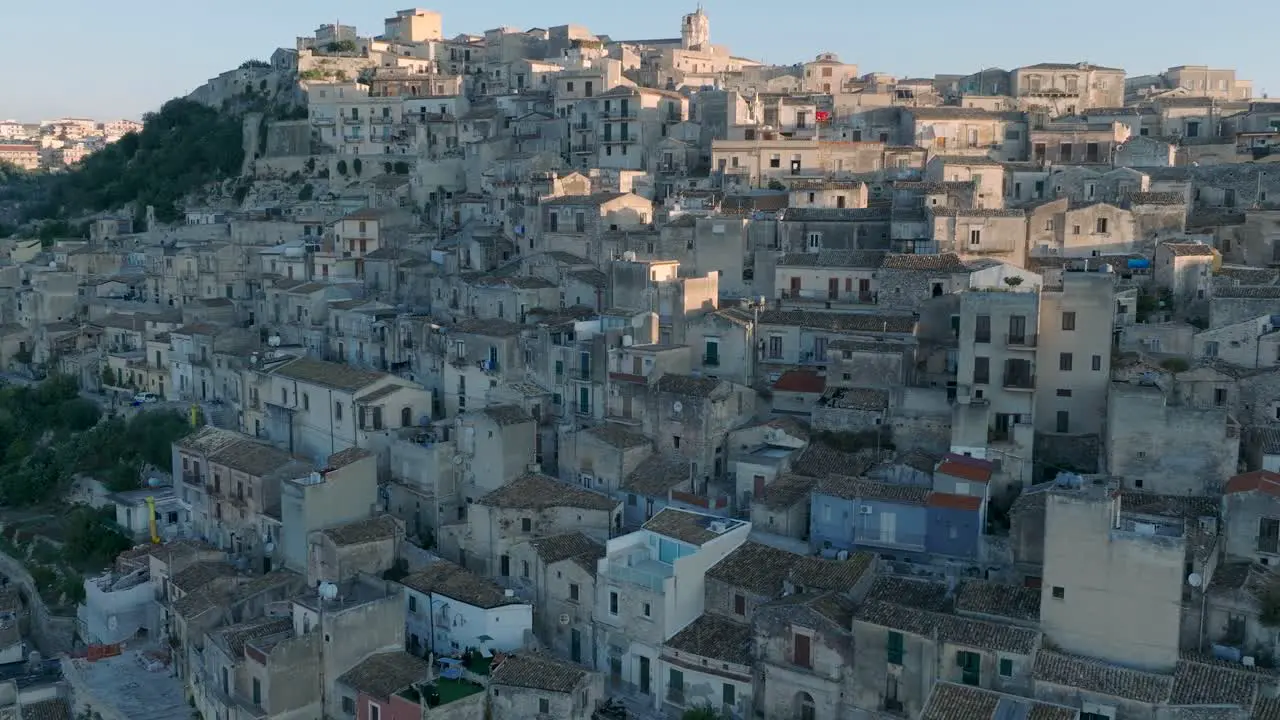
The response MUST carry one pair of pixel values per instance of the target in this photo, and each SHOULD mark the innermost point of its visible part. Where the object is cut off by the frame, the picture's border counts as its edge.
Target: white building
(451, 609)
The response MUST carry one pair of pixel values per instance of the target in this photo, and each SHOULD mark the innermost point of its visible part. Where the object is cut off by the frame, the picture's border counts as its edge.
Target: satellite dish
(457, 459)
(677, 406)
(1194, 580)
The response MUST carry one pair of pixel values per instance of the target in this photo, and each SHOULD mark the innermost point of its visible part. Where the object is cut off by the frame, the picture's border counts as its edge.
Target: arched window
(406, 417)
(805, 708)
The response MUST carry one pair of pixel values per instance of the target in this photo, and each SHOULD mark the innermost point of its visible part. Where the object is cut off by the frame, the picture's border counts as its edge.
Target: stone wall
(52, 634)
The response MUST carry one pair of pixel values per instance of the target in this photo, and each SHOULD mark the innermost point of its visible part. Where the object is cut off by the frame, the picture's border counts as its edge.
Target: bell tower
(695, 31)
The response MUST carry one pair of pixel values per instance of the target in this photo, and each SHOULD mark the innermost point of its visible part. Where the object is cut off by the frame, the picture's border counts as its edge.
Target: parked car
(145, 398)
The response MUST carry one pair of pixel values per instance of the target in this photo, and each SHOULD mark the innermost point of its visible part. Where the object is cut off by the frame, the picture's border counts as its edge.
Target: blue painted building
(956, 524)
(851, 513)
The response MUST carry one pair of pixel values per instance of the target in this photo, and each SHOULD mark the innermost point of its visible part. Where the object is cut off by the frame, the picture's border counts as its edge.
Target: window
(675, 686)
(544, 705)
(1102, 226)
(1068, 321)
(739, 605)
(504, 565)
(613, 602)
(526, 525)
(970, 664)
(1064, 421)
(1059, 592)
(802, 650)
(1211, 348)
(975, 236)
(894, 647)
(815, 240)
(1006, 668)
(982, 329)
(675, 441)
(1219, 396)
(1064, 362)
(306, 401)
(648, 610)
(775, 160)
(413, 604)
(1097, 362)
(573, 592)
(1075, 229)
(337, 410)
(728, 696)
(775, 347)
(1064, 393)
(375, 711)
(257, 692)
(349, 705)
(981, 370)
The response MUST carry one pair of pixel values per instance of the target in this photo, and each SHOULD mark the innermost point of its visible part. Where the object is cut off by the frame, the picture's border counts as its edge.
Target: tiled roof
(686, 526)
(864, 399)
(755, 567)
(1157, 198)
(197, 575)
(378, 527)
(801, 381)
(555, 548)
(505, 415)
(618, 436)
(487, 327)
(813, 214)
(454, 581)
(599, 198)
(1248, 291)
(1197, 683)
(657, 474)
(840, 576)
(832, 607)
(715, 637)
(329, 374)
(1100, 677)
(970, 503)
(1188, 249)
(987, 598)
(386, 674)
(1267, 709)
(941, 262)
(1186, 507)
(687, 385)
(841, 322)
(966, 468)
(919, 594)
(820, 461)
(52, 709)
(534, 491)
(346, 457)
(1262, 480)
(850, 488)
(967, 160)
(952, 701)
(252, 458)
(939, 211)
(950, 628)
(868, 259)
(537, 671)
(237, 636)
(1252, 579)
(786, 491)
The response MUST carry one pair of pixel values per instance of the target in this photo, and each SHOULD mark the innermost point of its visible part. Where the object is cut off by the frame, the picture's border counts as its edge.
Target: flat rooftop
(128, 688)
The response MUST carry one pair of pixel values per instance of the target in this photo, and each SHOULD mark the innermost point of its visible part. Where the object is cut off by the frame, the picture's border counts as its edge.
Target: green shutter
(894, 646)
(1006, 667)
(677, 680)
(728, 696)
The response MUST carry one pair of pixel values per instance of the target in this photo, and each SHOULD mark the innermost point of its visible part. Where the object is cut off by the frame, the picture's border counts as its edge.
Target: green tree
(342, 167)
(401, 167)
(306, 193)
(357, 166)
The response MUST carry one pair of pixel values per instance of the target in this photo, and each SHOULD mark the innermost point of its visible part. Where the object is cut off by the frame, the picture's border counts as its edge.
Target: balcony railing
(982, 337)
(1269, 544)
(212, 489)
(1019, 381)
(584, 374)
(882, 537)
(195, 479)
(382, 120)
(1020, 340)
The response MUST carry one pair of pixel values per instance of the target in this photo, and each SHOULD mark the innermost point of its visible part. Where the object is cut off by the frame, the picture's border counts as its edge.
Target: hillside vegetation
(181, 148)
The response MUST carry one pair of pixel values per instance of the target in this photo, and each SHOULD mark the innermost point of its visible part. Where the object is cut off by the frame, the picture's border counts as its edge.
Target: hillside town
(734, 390)
(56, 144)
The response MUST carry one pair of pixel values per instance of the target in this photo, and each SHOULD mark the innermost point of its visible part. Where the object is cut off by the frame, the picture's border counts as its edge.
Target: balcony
(350, 120)
(1020, 340)
(627, 114)
(637, 569)
(889, 538)
(212, 489)
(584, 374)
(982, 337)
(193, 479)
(382, 120)
(1019, 381)
(238, 501)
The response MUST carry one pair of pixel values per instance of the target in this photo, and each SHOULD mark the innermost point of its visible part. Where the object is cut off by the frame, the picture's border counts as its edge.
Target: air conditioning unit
(865, 510)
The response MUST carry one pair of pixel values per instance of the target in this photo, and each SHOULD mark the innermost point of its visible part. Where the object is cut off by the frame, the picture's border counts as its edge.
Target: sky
(86, 58)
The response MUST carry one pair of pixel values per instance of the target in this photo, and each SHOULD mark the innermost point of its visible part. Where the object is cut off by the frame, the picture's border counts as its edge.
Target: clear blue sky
(120, 59)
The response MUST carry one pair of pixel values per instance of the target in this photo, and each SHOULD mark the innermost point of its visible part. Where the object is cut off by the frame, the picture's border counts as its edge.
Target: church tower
(695, 31)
